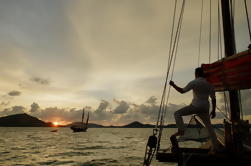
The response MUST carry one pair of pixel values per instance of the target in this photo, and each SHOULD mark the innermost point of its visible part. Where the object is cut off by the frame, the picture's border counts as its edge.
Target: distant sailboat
(54, 130)
(82, 127)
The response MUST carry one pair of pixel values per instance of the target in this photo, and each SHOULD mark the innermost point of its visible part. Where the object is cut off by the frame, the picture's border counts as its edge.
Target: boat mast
(230, 49)
(83, 115)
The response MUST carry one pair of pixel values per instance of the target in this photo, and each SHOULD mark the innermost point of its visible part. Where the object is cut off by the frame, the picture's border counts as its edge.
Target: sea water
(37, 146)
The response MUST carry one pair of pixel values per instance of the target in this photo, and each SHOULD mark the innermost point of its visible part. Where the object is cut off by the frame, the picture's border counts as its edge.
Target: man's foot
(214, 151)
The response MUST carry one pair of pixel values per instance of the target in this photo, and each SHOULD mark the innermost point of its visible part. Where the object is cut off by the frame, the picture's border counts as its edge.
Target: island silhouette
(26, 120)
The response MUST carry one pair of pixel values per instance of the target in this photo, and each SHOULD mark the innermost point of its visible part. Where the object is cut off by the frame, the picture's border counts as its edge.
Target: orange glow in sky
(55, 123)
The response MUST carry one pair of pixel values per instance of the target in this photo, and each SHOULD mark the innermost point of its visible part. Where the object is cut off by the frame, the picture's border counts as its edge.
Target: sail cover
(230, 73)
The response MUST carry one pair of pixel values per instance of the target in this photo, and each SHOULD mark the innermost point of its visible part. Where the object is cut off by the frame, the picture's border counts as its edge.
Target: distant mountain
(25, 120)
(22, 120)
(137, 124)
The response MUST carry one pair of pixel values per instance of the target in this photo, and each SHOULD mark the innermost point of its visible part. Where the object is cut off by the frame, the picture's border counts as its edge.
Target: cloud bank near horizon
(113, 112)
(116, 112)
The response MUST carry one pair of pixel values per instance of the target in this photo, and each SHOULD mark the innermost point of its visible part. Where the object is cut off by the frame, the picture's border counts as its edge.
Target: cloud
(148, 113)
(115, 112)
(58, 114)
(14, 93)
(152, 100)
(12, 110)
(5, 100)
(102, 106)
(34, 107)
(103, 112)
(121, 108)
(107, 113)
(40, 80)
(5, 103)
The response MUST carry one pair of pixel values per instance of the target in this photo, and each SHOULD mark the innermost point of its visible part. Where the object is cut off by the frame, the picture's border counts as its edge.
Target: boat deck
(201, 156)
(198, 157)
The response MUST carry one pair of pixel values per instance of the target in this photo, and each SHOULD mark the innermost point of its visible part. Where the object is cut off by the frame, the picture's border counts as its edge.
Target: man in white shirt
(202, 89)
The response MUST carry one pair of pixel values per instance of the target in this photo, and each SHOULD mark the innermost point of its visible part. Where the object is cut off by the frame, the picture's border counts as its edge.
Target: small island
(22, 120)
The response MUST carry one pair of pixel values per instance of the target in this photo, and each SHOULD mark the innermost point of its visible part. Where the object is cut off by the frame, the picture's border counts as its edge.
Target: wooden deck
(200, 157)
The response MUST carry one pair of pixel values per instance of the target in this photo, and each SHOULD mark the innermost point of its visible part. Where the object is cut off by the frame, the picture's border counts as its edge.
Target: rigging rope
(173, 56)
(201, 15)
(219, 33)
(171, 43)
(222, 49)
(150, 150)
(223, 113)
(170, 62)
(174, 62)
(210, 29)
(249, 29)
(232, 14)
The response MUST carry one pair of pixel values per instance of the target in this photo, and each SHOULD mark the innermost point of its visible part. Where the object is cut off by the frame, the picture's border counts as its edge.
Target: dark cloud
(152, 100)
(103, 112)
(121, 108)
(34, 107)
(14, 93)
(148, 113)
(12, 110)
(102, 106)
(40, 80)
(18, 109)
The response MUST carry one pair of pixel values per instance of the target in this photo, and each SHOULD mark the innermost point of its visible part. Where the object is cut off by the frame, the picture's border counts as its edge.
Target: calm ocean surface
(97, 147)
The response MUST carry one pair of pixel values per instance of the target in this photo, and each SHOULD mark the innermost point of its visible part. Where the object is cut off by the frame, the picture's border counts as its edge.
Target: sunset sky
(109, 56)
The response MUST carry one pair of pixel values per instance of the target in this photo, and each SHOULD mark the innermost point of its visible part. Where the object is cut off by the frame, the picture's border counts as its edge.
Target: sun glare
(55, 123)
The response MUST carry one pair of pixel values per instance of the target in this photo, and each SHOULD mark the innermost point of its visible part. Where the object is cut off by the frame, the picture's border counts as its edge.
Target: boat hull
(78, 129)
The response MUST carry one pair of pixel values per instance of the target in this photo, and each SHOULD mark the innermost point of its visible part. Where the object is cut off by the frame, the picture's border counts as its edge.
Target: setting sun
(55, 123)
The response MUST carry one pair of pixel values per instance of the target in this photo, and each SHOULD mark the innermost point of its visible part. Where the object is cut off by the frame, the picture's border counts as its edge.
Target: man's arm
(176, 87)
(212, 114)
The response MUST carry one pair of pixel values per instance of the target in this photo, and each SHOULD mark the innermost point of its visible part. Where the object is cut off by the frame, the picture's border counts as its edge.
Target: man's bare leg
(188, 110)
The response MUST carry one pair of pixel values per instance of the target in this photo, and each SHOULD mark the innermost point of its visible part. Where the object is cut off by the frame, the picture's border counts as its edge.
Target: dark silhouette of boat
(82, 127)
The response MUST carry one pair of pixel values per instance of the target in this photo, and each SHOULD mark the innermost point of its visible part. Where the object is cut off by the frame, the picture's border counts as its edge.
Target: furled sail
(231, 73)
